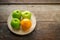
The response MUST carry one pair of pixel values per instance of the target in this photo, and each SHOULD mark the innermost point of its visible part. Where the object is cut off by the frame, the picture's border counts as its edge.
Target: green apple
(26, 14)
(15, 23)
(16, 14)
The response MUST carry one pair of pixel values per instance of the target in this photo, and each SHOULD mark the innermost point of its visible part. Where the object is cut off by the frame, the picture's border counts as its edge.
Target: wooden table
(47, 27)
(29, 1)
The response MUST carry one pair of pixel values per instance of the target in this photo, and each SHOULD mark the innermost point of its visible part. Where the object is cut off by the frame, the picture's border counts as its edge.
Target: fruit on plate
(16, 14)
(26, 14)
(15, 23)
(26, 24)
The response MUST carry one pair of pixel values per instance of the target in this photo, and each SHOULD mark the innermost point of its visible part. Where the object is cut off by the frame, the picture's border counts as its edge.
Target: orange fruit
(26, 24)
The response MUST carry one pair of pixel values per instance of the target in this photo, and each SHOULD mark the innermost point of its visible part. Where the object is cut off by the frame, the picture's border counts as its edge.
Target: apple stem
(26, 13)
(15, 20)
(17, 11)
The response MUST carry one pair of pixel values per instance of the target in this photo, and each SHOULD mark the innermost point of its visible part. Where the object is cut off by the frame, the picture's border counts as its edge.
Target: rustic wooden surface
(47, 27)
(42, 12)
(30, 1)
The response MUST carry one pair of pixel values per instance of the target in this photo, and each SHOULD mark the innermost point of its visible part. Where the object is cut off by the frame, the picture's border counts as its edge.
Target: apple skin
(16, 14)
(15, 23)
(26, 14)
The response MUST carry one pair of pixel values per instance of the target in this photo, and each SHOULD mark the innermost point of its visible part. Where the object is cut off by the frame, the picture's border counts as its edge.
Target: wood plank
(43, 31)
(29, 1)
(42, 12)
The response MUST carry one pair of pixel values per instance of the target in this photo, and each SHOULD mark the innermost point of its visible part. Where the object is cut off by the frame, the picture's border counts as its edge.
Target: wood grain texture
(47, 28)
(42, 12)
(29, 1)
(43, 31)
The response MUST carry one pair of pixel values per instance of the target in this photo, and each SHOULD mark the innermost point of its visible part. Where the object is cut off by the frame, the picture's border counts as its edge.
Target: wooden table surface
(47, 28)
(29, 1)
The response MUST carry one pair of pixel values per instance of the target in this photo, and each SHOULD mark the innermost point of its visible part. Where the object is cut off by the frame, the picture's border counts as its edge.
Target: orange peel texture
(26, 24)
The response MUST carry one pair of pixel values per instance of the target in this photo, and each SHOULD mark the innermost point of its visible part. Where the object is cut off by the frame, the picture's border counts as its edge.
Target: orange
(26, 24)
